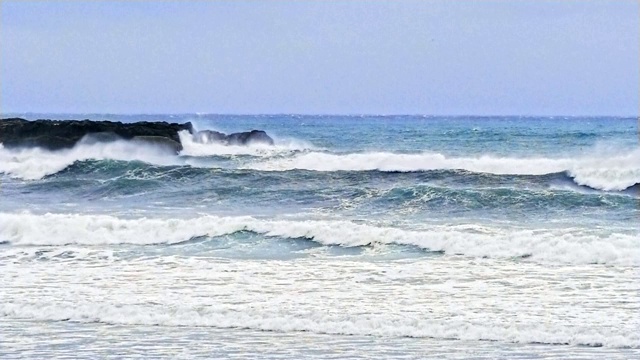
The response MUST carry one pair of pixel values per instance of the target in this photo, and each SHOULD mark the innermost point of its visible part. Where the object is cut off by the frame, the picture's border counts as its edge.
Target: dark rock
(251, 137)
(56, 134)
(209, 136)
(241, 138)
(64, 134)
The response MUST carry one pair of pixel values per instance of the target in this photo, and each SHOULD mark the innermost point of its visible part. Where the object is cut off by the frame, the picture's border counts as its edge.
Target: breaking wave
(602, 172)
(36, 163)
(569, 245)
(599, 172)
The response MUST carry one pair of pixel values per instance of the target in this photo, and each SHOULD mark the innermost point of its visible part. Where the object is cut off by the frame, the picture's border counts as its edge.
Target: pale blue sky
(475, 57)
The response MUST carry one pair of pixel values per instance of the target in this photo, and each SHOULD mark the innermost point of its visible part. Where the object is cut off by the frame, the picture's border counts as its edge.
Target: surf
(561, 245)
(270, 318)
(608, 173)
(602, 171)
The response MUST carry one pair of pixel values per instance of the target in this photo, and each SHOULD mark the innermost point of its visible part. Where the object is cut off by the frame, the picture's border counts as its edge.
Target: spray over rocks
(65, 134)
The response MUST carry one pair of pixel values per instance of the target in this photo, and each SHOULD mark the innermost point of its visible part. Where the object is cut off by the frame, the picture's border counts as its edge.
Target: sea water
(353, 236)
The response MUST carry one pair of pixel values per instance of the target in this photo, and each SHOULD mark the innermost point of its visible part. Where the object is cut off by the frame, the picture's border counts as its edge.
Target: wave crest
(607, 173)
(601, 171)
(569, 245)
(36, 163)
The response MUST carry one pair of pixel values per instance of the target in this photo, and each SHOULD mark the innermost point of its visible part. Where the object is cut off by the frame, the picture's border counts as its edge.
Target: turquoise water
(354, 236)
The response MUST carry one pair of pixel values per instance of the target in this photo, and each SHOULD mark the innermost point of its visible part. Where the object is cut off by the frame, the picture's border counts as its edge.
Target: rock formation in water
(241, 138)
(63, 134)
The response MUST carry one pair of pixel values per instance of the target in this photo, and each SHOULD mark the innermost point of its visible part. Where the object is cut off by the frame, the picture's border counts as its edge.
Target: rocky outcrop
(241, 138)
(209, 137)
(61, 134)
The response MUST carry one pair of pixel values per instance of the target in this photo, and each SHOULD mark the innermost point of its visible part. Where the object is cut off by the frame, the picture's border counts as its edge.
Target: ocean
(352, 237)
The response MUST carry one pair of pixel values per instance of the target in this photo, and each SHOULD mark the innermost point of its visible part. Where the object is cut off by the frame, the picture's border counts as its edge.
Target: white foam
(384, 161)
(35, 163)
(271, 319)
(616, 172)
(61, 253)
(600, 171)
(282, 146)
(605, 171)
(567, 245)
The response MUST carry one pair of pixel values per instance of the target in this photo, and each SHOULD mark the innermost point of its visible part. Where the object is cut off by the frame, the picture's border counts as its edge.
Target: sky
(475, 57)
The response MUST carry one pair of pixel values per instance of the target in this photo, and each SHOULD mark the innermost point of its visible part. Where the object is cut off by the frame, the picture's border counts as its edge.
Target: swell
(563, 245)
(446, 187)
(140, 170)
(608, 172)
(450, 193)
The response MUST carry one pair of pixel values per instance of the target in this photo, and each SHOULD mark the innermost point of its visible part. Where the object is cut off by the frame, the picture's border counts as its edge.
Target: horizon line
(203, 114)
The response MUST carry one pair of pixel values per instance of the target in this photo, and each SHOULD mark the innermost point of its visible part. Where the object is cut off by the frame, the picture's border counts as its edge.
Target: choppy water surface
(352, 237)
